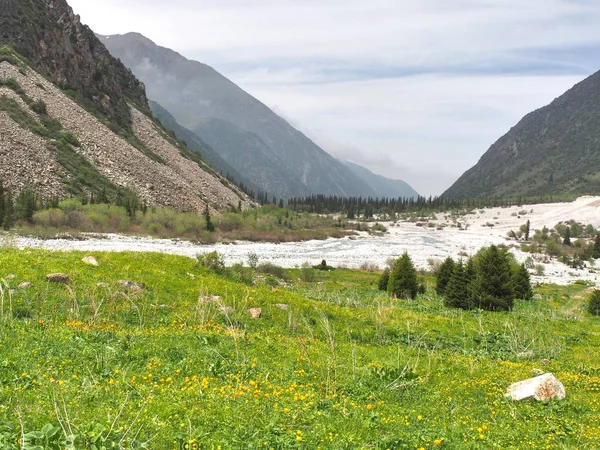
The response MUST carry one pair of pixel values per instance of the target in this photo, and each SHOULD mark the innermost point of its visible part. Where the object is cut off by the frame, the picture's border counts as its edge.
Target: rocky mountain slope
(554, 150)
(55, 42)
(245, 132)
(51, 144)
(383, 186)
(74, 120)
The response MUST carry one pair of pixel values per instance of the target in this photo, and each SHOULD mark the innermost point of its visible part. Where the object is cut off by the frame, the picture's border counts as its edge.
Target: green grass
(159, 368)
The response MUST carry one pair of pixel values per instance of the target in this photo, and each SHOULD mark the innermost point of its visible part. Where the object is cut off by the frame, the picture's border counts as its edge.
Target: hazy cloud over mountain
(418, 87)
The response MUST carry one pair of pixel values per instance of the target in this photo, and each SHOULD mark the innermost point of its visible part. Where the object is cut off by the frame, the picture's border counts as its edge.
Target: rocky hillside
(50, 143)
(554, 150)
(55, 42)
(383, 186)
(246, 134)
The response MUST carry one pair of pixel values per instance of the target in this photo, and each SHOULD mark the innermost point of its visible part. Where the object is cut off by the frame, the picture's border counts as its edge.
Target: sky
(414, 90)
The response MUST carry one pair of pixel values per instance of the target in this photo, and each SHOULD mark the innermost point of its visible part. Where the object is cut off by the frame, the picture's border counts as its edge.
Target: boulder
(255, 313)
(132, 285)
(26, 285)
(58, 278)
(90, 261)
(537, 297)
(544, 388)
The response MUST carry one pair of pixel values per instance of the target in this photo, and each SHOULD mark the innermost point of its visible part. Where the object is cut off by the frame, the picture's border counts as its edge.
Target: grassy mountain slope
(383, 187)
(194, 93)
(331, 363)
(554, 150)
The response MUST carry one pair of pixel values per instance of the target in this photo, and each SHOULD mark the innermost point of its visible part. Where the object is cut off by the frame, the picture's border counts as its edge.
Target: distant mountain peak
(245, 132)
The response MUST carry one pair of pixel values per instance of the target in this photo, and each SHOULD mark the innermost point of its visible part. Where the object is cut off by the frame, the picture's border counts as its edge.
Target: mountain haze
(554, 150)
(383, 187)
(246, 133)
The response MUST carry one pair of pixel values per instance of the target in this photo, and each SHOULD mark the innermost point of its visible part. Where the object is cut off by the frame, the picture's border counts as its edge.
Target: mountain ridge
(217, 110)
(553, 150)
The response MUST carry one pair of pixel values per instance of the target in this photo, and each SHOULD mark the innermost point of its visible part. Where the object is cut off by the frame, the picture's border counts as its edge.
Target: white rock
(90, 260)
(544, 388)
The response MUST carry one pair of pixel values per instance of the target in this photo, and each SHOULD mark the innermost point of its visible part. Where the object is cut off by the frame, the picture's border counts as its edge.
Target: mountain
(383, 187)
(74, 120)
(244, 132)
(554, 150)
(197, 144)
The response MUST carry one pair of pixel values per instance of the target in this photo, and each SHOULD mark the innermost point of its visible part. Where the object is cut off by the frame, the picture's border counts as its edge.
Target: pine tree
(8, 221)
(596, 251)
(209, 225)
(444, 275)
(403, 279)
(493, 286)
(471, 276)
(2, 203)
(26, 205)
(457, 295)
(594, 303)
(522, 283)
(567, 240)
(527, 230)
(384, 280)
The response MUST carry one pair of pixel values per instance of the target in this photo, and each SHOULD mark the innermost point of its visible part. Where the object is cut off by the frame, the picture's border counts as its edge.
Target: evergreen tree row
(491, 280)
(366, 207)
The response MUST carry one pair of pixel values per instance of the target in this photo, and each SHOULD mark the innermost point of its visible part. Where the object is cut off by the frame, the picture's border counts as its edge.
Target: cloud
(414, 90)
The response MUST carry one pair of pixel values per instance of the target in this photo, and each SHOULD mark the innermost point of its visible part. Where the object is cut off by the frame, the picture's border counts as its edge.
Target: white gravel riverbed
(423, 243)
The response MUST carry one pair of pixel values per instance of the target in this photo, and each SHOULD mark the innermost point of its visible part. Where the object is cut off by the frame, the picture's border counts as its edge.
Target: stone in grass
(255, 313)
(543, 388)
(90, 261)
(538, 297)
(283, 306)
(58, 278)
(132, 285)
(209, 299)
(227, 310)
(26, 285)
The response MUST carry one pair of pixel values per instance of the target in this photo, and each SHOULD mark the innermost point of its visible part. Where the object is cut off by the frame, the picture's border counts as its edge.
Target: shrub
(540, 270)
(213, 261)
(253, 260)
(271, 269)
(307, 273)
(403, 279)
(323, 266)
(50, 218)
(594, 303)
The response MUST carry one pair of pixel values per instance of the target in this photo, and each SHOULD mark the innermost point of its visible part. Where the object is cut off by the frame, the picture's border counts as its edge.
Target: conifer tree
(403, 279)
(444, 275)
(527, 230)
(493, 286)
(596, 251)
(209, 225)
(8, 222)
(522, 283)
(594, 303)
(384, 280)
(471, 276)
(567, 240)
(457, 288)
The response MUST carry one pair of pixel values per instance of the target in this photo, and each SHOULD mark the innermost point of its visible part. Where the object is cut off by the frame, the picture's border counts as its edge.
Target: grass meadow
(179, 363)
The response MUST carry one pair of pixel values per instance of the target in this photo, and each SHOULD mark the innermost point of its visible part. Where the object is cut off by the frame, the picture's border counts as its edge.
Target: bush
(307, 273)
(324, 267)
(403, 279)
(213, 261)
(594, 303)
(272, 269)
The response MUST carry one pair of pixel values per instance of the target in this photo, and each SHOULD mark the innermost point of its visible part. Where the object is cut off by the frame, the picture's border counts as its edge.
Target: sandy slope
(423, 243)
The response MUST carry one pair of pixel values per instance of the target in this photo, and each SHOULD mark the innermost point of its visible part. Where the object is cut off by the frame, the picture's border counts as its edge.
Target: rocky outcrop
(58, 45)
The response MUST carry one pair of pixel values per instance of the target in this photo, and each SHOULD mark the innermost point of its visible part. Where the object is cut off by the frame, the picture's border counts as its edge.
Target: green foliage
(444, 274)
(457, 290)
(323, 266)
(213, 261)
(493, 288)
(384, 279)
(403, 282)
(209, 225)
(522, 283)
(594, 303)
